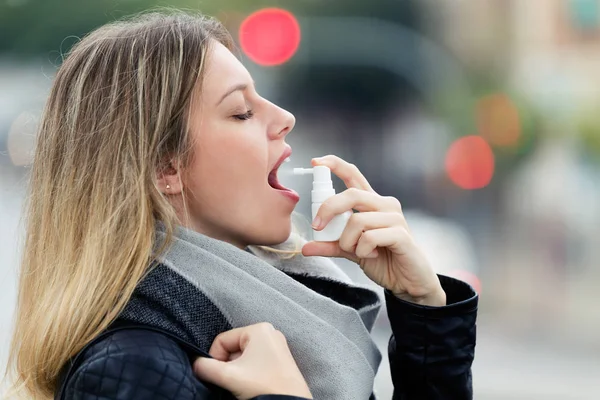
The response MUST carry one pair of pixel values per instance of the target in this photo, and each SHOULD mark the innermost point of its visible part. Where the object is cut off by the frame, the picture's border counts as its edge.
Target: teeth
(287, 160)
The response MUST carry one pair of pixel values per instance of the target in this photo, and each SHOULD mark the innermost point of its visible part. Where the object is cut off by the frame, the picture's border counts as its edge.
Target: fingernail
(316, 224)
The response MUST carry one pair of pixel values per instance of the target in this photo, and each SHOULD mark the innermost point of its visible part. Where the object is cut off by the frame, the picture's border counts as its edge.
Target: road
(510, 369)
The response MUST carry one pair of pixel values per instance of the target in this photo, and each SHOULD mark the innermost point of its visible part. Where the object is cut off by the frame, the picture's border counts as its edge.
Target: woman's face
(238, 137)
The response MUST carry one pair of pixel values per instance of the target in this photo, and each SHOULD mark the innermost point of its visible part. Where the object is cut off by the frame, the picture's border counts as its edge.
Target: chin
(270, 235)
(274, 238)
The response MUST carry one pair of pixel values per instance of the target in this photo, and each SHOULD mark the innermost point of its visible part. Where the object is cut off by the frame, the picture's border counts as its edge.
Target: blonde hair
(117, 111)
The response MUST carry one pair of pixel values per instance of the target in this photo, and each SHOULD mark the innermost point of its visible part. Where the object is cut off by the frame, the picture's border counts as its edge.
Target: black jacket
(430, 351)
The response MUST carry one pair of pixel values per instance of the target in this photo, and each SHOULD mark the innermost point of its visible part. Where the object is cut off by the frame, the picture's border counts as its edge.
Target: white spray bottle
(322, 190)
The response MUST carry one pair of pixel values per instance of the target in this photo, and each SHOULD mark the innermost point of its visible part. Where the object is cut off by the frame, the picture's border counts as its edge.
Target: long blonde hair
(116, 112)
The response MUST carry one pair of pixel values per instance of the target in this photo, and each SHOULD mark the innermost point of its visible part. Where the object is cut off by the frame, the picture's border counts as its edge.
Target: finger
(227, 343)
(353, 198)
(347, 172)
(393, 238)
(326, 249)
(361, 222)
(211, 371)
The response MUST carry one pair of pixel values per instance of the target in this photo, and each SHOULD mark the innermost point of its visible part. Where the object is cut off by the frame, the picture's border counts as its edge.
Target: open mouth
(272, 179)
(274, 182)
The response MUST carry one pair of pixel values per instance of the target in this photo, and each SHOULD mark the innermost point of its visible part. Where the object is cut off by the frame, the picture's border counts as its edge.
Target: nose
(283, 123)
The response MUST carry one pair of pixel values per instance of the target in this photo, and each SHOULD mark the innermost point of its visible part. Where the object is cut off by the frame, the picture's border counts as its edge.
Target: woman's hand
(252, 361)
(377, 238)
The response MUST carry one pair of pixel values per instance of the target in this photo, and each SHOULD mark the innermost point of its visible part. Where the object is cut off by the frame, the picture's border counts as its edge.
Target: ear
(169, 179)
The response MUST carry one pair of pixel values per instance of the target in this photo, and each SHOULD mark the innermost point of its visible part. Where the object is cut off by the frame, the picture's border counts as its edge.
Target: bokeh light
(21, 139)
(467, 277)
(498, 120)
(270, 36)
(470, 163)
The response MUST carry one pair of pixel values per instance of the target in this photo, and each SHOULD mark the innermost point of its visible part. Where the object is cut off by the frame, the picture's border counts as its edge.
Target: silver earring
(168, 186)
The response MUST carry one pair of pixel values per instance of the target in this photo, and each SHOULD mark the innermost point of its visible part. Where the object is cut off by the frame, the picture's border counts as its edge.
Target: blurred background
(481, 116)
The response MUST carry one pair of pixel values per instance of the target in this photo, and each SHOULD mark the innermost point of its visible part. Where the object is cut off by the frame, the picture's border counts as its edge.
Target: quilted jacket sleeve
(432, 348)
(133, 377)
(135, 365)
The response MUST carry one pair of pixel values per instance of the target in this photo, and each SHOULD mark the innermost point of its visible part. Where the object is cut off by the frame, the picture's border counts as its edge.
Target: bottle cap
(322, 184)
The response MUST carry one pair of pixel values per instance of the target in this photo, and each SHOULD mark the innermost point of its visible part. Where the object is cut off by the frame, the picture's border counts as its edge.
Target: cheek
(226, 163)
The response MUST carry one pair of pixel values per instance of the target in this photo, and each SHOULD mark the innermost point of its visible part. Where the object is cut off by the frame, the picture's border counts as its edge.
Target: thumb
(211, 370)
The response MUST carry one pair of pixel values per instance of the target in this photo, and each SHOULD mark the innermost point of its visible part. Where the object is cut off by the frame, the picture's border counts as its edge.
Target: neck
(218, 235)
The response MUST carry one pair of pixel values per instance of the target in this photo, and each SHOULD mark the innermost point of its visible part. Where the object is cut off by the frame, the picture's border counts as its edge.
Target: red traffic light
(270, 36)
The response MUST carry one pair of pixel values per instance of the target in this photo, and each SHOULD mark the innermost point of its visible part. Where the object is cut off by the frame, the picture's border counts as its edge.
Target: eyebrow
(239, 87)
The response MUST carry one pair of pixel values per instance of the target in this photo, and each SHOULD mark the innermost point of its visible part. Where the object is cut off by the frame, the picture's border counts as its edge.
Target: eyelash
(244, 117)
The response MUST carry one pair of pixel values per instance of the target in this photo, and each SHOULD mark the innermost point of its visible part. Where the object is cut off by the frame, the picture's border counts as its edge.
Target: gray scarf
(330, 342)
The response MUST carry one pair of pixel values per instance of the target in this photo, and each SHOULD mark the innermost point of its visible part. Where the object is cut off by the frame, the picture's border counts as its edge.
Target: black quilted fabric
(139, 364)
(136, 365)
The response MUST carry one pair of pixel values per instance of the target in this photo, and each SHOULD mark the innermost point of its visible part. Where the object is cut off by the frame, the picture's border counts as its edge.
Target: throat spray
(322, 189)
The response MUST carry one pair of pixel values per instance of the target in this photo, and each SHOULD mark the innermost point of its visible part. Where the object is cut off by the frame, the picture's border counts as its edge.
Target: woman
(159, 260)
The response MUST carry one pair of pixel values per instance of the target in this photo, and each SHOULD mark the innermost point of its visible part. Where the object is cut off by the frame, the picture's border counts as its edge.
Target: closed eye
(245, 116)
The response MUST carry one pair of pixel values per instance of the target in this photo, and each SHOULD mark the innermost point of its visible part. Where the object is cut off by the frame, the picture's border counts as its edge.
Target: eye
(245, 116)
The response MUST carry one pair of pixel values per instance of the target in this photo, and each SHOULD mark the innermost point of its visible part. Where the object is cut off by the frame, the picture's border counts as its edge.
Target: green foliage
(588, 130)
(39, 27)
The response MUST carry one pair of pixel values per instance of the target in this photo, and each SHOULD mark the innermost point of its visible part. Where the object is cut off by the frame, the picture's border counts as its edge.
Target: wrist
(434, 299)
(294, 389)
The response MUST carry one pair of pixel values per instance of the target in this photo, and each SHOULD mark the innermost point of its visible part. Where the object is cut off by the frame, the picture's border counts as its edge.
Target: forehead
(223, 70)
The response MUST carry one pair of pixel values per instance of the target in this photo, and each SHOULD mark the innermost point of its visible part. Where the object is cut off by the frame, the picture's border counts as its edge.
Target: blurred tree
(359, 89)
(588, 131)
(38, 27)
(41, 27)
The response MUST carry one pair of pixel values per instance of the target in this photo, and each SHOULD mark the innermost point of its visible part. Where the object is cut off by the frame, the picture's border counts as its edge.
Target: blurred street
(512, 369)
(509, 367)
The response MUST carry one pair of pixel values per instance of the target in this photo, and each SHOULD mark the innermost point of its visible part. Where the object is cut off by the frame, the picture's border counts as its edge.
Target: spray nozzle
(303, 171)
(321, 174)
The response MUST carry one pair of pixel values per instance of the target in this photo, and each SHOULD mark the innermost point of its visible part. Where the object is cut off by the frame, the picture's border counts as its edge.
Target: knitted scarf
(328, 337)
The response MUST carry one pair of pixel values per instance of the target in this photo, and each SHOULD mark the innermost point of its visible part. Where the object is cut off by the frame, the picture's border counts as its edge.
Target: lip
(290, 194)
(286, 153)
